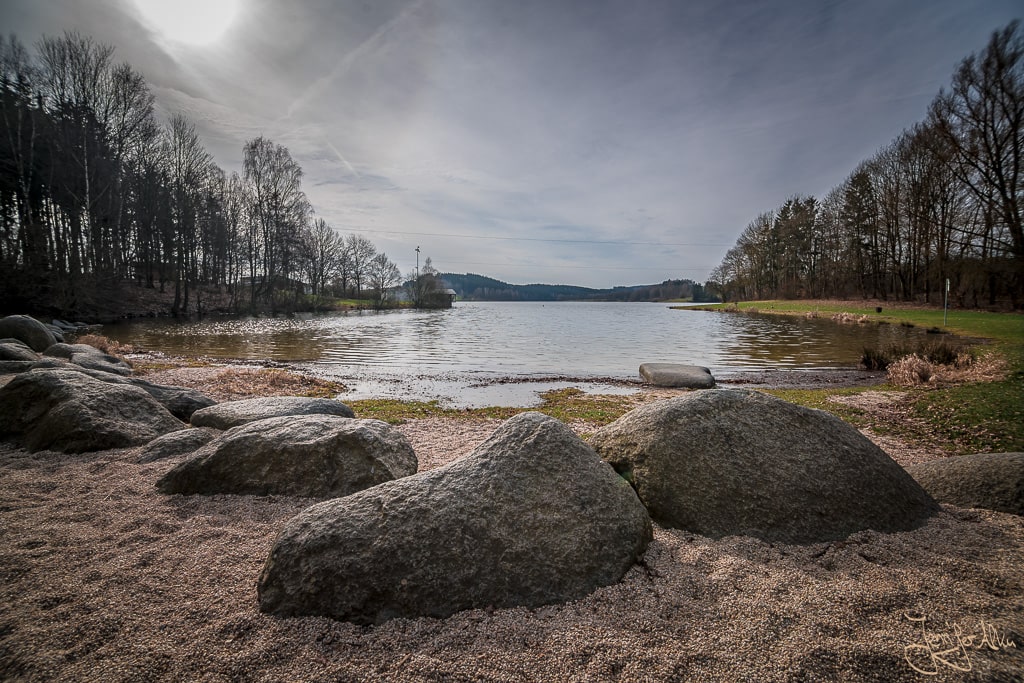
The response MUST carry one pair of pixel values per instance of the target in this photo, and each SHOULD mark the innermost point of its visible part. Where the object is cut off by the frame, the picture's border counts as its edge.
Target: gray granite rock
(677, 376)
(101, 361)
(65, 351)
(174, 444)
(234, 413)
(531, 517)
(993, 481)
(17, 352)
(323, 456)
(733, 462)
(28, 330)
(69, 411)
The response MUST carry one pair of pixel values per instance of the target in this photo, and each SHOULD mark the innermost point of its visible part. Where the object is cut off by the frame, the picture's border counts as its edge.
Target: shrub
(911, 370)
(875, 359)
(944, 353)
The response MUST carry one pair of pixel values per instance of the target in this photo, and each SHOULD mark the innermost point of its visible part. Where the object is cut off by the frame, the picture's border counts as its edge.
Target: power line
(534, 239)
(540, 267)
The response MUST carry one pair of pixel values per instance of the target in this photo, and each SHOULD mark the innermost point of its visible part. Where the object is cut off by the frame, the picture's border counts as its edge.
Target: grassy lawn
(975, 417)
(1004, 327)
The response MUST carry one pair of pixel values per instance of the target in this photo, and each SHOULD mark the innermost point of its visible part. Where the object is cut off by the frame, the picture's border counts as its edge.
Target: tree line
(943, 201)
(95, 192)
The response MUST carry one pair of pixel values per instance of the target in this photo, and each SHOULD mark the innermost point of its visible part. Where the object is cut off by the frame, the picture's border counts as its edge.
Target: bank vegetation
(101, 202)
(943, 202)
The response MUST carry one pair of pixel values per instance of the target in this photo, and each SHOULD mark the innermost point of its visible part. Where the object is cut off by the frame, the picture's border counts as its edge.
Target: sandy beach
(103, 578)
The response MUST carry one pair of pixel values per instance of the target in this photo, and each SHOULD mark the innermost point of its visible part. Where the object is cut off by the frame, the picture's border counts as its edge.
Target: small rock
(677, 376)
(102, 362)
(175, 443)
(65, 351)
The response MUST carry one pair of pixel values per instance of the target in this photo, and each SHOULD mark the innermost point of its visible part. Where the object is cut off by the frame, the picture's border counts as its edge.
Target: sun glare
(189, 21)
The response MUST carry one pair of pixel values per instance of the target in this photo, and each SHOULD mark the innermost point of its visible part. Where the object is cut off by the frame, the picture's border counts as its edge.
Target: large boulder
(181, 402)
(993, 481)
(734, 462)
(233, 413)
(69, 411)
(531, 517)
(677, 376)
(28, 330)
(323, 456)
(174, 444)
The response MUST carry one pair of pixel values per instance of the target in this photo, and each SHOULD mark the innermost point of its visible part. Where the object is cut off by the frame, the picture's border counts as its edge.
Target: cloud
(656, 121)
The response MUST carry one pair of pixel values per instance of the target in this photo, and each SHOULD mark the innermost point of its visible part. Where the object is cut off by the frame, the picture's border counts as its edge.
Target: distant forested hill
(472, 287)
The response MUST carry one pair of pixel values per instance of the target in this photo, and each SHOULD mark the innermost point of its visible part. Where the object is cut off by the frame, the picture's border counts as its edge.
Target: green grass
(570, 404)
(977, 417)
(818, 399)
(1003, 327)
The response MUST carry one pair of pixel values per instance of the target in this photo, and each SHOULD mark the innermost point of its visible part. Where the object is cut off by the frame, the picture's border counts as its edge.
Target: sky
(566, 142)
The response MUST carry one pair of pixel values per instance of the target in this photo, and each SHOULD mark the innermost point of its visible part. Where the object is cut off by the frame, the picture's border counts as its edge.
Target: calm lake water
(456, 355)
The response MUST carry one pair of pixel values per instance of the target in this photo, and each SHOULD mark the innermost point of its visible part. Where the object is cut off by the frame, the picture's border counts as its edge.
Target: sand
(103, 578)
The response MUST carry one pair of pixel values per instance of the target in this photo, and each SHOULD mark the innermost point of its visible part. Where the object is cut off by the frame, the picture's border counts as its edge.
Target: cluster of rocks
(532, 516)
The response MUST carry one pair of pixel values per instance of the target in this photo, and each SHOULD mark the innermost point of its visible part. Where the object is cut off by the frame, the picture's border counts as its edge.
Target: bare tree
(321, 254)
(383, 276)
(188, 164)
(981, 120)
(360, 252)
(277, 207)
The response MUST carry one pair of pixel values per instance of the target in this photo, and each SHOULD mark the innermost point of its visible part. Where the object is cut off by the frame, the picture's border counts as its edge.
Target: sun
(189, 21)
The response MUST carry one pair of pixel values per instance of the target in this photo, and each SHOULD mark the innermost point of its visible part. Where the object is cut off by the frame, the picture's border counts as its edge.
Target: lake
(466, 355)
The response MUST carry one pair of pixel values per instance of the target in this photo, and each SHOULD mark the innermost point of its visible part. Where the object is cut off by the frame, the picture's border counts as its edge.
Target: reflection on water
(488, 339)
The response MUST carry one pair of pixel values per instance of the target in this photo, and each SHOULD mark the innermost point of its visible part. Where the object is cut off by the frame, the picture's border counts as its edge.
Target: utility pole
(417, 290)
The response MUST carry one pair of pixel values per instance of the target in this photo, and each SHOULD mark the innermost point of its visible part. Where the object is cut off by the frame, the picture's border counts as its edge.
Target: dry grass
(849, 318)
(910, 371)
(245, 382)
(913, 370)
(108, 346)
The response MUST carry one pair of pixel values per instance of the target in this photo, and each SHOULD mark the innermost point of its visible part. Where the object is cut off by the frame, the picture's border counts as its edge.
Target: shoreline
(510, 391)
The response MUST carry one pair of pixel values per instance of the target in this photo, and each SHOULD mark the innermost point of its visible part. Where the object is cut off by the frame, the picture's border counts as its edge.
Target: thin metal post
(945, 304)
